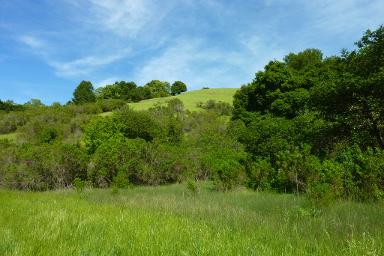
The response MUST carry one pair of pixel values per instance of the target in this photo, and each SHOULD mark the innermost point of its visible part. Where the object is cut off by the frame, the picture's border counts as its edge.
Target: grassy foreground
(169, 220)
(190, 99)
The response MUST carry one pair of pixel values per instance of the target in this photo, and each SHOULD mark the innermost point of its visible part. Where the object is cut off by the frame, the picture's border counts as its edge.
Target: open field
(191, 99)
(169, 220)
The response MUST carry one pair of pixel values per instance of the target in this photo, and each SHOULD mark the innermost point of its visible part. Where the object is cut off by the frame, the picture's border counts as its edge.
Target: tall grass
(170, 220)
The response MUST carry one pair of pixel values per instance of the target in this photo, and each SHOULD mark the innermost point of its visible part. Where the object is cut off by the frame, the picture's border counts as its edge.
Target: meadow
(172, 220)
(190, 99)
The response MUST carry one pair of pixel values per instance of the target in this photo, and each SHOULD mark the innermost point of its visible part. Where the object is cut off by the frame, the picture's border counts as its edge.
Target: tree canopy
(84, 93)
(178, 87)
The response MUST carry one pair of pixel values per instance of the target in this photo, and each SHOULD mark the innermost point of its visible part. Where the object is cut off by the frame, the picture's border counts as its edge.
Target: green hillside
(190, 99)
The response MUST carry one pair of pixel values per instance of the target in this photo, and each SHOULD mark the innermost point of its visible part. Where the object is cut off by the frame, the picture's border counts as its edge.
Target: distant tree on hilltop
(178, 87)
(84, 93)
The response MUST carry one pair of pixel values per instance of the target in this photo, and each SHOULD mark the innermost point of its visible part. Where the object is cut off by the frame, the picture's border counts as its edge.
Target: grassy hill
(191, 99)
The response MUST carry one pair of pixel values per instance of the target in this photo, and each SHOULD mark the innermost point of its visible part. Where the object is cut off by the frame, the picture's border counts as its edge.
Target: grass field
(169, 220)
(191, 99)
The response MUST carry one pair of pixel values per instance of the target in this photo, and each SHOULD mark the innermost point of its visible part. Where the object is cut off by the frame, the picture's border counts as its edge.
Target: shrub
(115, 155)
(326, 182)
(108, 105)
(10, 122)
(193, 187)
(134, 124)
(98, 131)
(364, 178)
(42, 167)
(260, 175)
(79, 184)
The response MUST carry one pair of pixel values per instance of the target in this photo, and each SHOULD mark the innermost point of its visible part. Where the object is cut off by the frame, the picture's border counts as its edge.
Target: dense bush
(116, 155)
(11, 121)
(41, 167)
(108, 105)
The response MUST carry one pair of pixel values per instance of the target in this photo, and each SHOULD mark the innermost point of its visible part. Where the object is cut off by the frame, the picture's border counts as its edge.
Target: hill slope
(191, 99)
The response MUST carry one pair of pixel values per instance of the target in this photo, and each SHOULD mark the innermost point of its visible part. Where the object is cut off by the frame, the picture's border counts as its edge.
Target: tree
(157, 88)
(354, 99)
(84, 93)
(178, 87)
(118, 90)
(35, 103)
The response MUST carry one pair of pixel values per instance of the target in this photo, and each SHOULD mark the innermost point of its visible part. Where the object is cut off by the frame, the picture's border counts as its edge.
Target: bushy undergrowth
(59, 145)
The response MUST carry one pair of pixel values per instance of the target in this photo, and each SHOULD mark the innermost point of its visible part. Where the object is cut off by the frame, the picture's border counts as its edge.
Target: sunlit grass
(9, 136)
(191, 99)
(170, 220)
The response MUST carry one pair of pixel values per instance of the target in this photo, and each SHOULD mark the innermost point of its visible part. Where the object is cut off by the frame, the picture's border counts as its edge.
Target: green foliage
(157, 89)
(364, 178)
(178, 87)
(116, 155)
(9, 105)
(133, 124)
(84, 93)
(193, 187)
(79, 184)
(41, 167)
(11, 121)
(35, 103)
(108, 105)
(260, 175)
(119, 90)
(98, 131)
(311, 123)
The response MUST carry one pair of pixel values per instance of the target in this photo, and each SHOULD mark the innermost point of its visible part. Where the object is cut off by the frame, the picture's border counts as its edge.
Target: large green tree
(157, 88)
(178, 87)
(355, 98)
(84, 93)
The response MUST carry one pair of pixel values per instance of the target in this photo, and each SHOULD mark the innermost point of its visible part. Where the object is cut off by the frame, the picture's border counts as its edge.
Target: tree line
(128, 91)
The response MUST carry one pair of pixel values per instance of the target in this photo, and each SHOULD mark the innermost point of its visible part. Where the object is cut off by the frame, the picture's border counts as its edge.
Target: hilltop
(190, 99)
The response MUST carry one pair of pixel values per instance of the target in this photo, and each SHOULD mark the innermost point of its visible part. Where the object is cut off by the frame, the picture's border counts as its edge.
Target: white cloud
(346, 16)
(32, 42)
(104, 82)
(125, 18)
(198, 65)
(85, 65)
(79, 66)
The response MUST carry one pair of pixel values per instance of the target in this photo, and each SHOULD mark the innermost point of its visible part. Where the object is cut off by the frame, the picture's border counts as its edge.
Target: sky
(47, 47)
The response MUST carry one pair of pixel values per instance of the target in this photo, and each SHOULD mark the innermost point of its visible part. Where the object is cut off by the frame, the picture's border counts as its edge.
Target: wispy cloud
(85, 65)
(122, 17)
(191, 61)
(75, 67)
(104, 82)
(32, 42)
(344, 16)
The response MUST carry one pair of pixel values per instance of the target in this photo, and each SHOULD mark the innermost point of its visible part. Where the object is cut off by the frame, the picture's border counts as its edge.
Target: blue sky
(47, 47)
